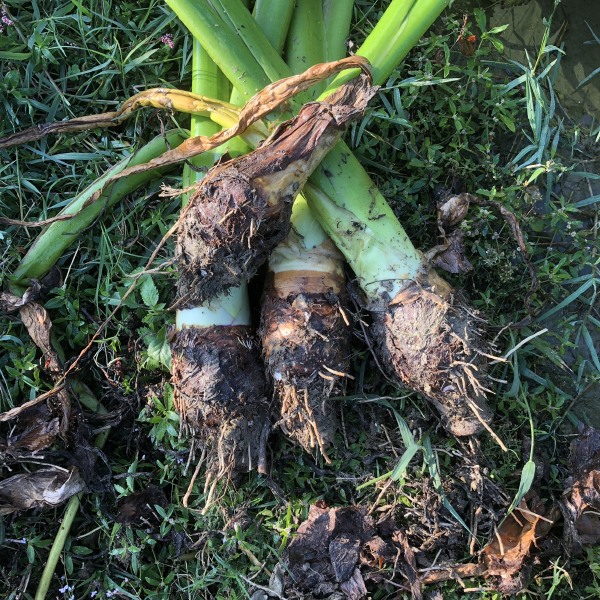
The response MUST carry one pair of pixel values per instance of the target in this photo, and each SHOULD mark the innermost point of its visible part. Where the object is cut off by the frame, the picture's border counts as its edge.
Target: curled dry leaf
(258, 106)
(324, 556)
(337, 550)
(505, 555)
(36, 430)
(39, 326)
(11, 303)
(46, 487)
(452, 210)
(451, 255)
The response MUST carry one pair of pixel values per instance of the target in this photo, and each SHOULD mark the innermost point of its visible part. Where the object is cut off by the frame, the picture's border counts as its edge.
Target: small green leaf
(480, 18)
(497, 44)
(149, 292)
(16, 56)
(498, 29)
(527, 477)
(158, 348)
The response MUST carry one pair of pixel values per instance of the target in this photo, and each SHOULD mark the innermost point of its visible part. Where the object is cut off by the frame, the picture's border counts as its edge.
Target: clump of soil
(432, 343)
(306, 349)
(220, 393)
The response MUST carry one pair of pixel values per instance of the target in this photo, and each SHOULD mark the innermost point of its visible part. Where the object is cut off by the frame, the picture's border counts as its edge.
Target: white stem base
(225, 310)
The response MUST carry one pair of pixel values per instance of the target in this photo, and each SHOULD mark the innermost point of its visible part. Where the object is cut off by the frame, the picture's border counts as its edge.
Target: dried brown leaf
(37, 429)
(452, 210)
(451, 256)
(258, 106)
(505, 555)
(11, 303)
(39, 326)
(47, 487)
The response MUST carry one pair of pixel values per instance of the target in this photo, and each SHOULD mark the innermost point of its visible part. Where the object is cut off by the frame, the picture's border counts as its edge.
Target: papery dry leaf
(452, 210)
(37, 429)
(322, 558)
(451, 256)
(39, 326)
(47, 487)
(504, 556)
(11, 303)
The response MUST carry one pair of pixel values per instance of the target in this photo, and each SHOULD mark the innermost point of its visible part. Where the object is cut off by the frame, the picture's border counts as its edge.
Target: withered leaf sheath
(242, 208)
(306, 340)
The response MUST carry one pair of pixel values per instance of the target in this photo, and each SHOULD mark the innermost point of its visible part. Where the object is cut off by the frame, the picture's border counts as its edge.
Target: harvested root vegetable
(425, 335)
(220, 388)
(304, 332)
(242, 208)
(429, 339)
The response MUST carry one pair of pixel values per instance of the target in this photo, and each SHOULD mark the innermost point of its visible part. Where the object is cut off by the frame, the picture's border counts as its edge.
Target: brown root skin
(428, 340)
(220, 393)
(242, 208)
(303, 333)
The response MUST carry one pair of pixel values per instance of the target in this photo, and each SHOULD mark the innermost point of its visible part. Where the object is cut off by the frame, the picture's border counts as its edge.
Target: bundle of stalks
(426, 336)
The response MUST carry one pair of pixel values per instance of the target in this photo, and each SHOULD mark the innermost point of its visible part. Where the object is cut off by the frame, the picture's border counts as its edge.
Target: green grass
(492, 124)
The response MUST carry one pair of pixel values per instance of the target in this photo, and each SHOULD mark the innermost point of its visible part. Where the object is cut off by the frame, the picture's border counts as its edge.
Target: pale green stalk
(337, 16)
(207, 80)
(304, 51)
(273, 18)
(305, 44)
(57, 237)
(225, 47)
(401, 26)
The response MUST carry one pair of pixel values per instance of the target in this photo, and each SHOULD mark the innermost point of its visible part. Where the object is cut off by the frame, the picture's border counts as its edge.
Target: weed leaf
(149, 292)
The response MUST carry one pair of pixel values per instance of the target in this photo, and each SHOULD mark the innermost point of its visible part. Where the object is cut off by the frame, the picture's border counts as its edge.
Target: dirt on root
(306, 349)
(220, 393)
(242, 208)
(432, 343)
